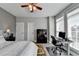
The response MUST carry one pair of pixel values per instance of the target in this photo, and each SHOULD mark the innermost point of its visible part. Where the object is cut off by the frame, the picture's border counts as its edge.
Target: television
(62, 35)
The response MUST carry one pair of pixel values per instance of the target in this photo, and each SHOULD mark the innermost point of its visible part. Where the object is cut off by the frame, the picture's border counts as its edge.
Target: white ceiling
(49, 9)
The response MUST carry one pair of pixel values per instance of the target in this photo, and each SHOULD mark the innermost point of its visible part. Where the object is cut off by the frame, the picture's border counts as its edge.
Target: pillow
(2, 40)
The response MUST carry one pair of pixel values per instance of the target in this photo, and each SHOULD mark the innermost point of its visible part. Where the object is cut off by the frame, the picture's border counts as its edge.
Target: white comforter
(19, 48)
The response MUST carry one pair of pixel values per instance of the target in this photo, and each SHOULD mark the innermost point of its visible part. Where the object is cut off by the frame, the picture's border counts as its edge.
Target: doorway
(30, 31)
(19, 31)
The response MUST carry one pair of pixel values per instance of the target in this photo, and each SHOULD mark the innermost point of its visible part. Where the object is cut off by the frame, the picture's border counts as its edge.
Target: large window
(73, 28)
(59, 25)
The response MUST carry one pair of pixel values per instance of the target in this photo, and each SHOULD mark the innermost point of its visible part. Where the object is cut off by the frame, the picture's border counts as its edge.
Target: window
(59, 25)
(73, 28)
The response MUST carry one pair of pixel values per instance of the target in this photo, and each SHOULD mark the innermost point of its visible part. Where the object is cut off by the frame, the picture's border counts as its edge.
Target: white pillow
(2, 40)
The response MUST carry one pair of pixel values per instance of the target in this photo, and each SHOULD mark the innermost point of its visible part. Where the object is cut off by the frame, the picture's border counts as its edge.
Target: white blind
(73, 28)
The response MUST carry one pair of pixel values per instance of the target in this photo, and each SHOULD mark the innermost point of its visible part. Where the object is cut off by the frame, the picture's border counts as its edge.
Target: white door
(19, 31)
(30, 34)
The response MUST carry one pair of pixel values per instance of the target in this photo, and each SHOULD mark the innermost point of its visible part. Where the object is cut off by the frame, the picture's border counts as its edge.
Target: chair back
(54, 41)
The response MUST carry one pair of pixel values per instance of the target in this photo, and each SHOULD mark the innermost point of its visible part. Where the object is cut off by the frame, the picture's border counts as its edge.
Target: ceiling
(49, 9)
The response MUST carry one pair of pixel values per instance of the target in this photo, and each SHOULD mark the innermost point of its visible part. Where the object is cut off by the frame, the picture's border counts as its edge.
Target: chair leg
(60, 53)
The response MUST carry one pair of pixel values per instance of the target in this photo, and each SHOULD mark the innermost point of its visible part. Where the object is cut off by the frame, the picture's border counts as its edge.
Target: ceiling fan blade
(38, 7)
(24, 5)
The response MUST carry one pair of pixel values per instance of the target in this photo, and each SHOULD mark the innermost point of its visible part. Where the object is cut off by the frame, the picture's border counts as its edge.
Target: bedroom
(19, 28)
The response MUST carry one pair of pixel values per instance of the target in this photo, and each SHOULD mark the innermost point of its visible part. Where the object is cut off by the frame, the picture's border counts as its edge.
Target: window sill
(74, 51)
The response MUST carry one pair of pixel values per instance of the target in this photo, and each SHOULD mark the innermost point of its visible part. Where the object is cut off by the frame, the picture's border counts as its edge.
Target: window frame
(58, 20)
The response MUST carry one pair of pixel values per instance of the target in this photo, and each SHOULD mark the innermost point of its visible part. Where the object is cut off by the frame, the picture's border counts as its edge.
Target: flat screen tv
(62, 35)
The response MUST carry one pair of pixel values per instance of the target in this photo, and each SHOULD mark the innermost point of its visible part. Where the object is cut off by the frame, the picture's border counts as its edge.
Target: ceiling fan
(32, 7)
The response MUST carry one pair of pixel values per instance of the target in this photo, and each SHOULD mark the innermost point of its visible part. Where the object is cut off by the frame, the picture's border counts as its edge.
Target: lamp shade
(8, 30)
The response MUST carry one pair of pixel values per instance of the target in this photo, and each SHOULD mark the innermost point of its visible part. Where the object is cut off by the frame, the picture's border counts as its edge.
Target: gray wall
(7, 21)
(39, 23)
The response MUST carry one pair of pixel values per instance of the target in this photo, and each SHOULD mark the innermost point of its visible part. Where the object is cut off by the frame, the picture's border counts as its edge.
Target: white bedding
(30, 50)
(19, 48)
(5, 44)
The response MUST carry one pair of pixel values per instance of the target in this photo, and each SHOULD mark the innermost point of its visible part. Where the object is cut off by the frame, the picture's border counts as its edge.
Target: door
(19, 31)
(30, 34)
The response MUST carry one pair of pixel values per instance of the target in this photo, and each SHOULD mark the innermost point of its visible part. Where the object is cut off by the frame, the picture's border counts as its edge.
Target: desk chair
(57, 44)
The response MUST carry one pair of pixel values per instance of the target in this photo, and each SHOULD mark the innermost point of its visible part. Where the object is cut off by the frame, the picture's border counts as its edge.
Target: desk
(66, 43)
(69, 46)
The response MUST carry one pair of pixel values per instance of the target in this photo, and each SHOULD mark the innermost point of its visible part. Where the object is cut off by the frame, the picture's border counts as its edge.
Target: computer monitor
(62, 35)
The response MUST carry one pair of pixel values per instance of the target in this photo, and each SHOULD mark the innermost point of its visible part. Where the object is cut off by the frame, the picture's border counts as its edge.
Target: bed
(17, 48)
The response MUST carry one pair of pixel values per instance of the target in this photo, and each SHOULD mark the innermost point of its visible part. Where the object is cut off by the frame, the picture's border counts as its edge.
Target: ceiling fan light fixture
(34, 8)
(30, 7)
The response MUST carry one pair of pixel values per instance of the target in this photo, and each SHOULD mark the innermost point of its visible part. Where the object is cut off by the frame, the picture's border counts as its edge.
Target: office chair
(57, 44)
